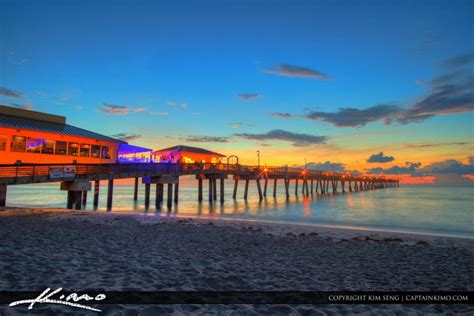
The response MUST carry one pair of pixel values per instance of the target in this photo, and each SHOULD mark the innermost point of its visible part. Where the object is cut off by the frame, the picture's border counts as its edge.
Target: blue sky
(180, 66)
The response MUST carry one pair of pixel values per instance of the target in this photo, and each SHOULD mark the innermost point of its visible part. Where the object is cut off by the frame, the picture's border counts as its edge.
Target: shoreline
(331, 229)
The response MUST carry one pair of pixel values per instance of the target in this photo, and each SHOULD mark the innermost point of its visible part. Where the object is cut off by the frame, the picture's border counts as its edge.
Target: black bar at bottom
(258, 297)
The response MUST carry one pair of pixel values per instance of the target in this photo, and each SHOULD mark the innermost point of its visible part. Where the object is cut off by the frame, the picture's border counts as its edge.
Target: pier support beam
(71, 196)
(296, 187)
(343, 185)
(312, 186)
(275, 187)
(176, 192)
(110, 194)
(3, 195)
(214, 188)
(211, 190)
(159, 195)
(96, 193)
(287, 187)
(75, 192)
(147, 195)
(77, 202)
(199, 189)
(222, 190)
(236, 184)
(84, 199)
(246, 191)
(169, 200)
(135, 190)
(259, 188)
(265, 185)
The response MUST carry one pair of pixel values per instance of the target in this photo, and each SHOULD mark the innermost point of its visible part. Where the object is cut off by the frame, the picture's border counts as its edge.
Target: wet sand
(105, 251)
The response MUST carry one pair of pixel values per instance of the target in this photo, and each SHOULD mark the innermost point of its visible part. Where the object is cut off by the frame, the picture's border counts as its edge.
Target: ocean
(427, 209)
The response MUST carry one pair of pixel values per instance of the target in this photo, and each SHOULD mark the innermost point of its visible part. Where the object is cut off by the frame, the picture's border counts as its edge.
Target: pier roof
(190, 149)
(42, 122)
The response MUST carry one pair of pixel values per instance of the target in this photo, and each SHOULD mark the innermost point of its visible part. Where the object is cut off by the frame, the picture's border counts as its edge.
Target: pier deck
(76, 179)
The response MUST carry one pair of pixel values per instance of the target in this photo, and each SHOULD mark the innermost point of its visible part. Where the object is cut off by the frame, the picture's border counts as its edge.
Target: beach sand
(79, 250)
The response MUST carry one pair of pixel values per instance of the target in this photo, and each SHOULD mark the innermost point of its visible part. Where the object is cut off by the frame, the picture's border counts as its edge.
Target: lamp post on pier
(258, 156)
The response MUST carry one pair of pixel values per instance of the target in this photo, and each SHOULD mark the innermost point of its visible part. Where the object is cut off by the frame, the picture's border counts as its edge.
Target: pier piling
(3, 195)
(110, 194)
(169, 200)
(222, 190)
(214, 188)
(211, 190)
(84, 199)
(246, 191)
(199, 189)
(135, 190)
(236, 184)
(176, 192)
(147, 195)
(259, 189)
(159, 195)
(275, 187)
(96, 193)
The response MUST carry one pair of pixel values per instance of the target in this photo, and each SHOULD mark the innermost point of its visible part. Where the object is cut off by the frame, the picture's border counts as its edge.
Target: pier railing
(34, 173)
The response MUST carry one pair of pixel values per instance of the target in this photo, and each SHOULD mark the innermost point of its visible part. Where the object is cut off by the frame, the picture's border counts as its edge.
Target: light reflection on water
(425, 209)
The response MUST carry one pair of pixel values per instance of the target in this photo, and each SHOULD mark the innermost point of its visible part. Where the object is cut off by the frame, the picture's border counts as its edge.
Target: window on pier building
(105, 152)
(61, 148)
(3, 142)
(47, 146)
(73, 149)
(18, 143)
(85, 150)
(95, 151)
(33, 145)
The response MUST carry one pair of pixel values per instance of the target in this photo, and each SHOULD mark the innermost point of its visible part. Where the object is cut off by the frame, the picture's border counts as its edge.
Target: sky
(375, 87)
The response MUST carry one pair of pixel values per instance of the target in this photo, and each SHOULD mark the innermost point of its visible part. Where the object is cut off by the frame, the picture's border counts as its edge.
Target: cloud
(352, 117)
(278, 134)
(9, 93)
(458, 61)
(158, 113)
(174, 104)
(450, 166)
(282, 115)
(139, 110)
(126, 137)
(436, 145)
(326, 166)
(26, 106)
(238, 125)
(114, 109)
(296, 71)
(380, 157)
(409, 168)
(207, 139)
(451, 93)
(248, 96)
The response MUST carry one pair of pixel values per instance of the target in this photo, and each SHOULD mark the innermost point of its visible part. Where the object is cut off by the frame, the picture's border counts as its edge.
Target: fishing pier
(79, 179)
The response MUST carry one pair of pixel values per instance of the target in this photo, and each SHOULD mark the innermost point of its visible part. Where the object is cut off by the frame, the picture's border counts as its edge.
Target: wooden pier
(77, 180)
